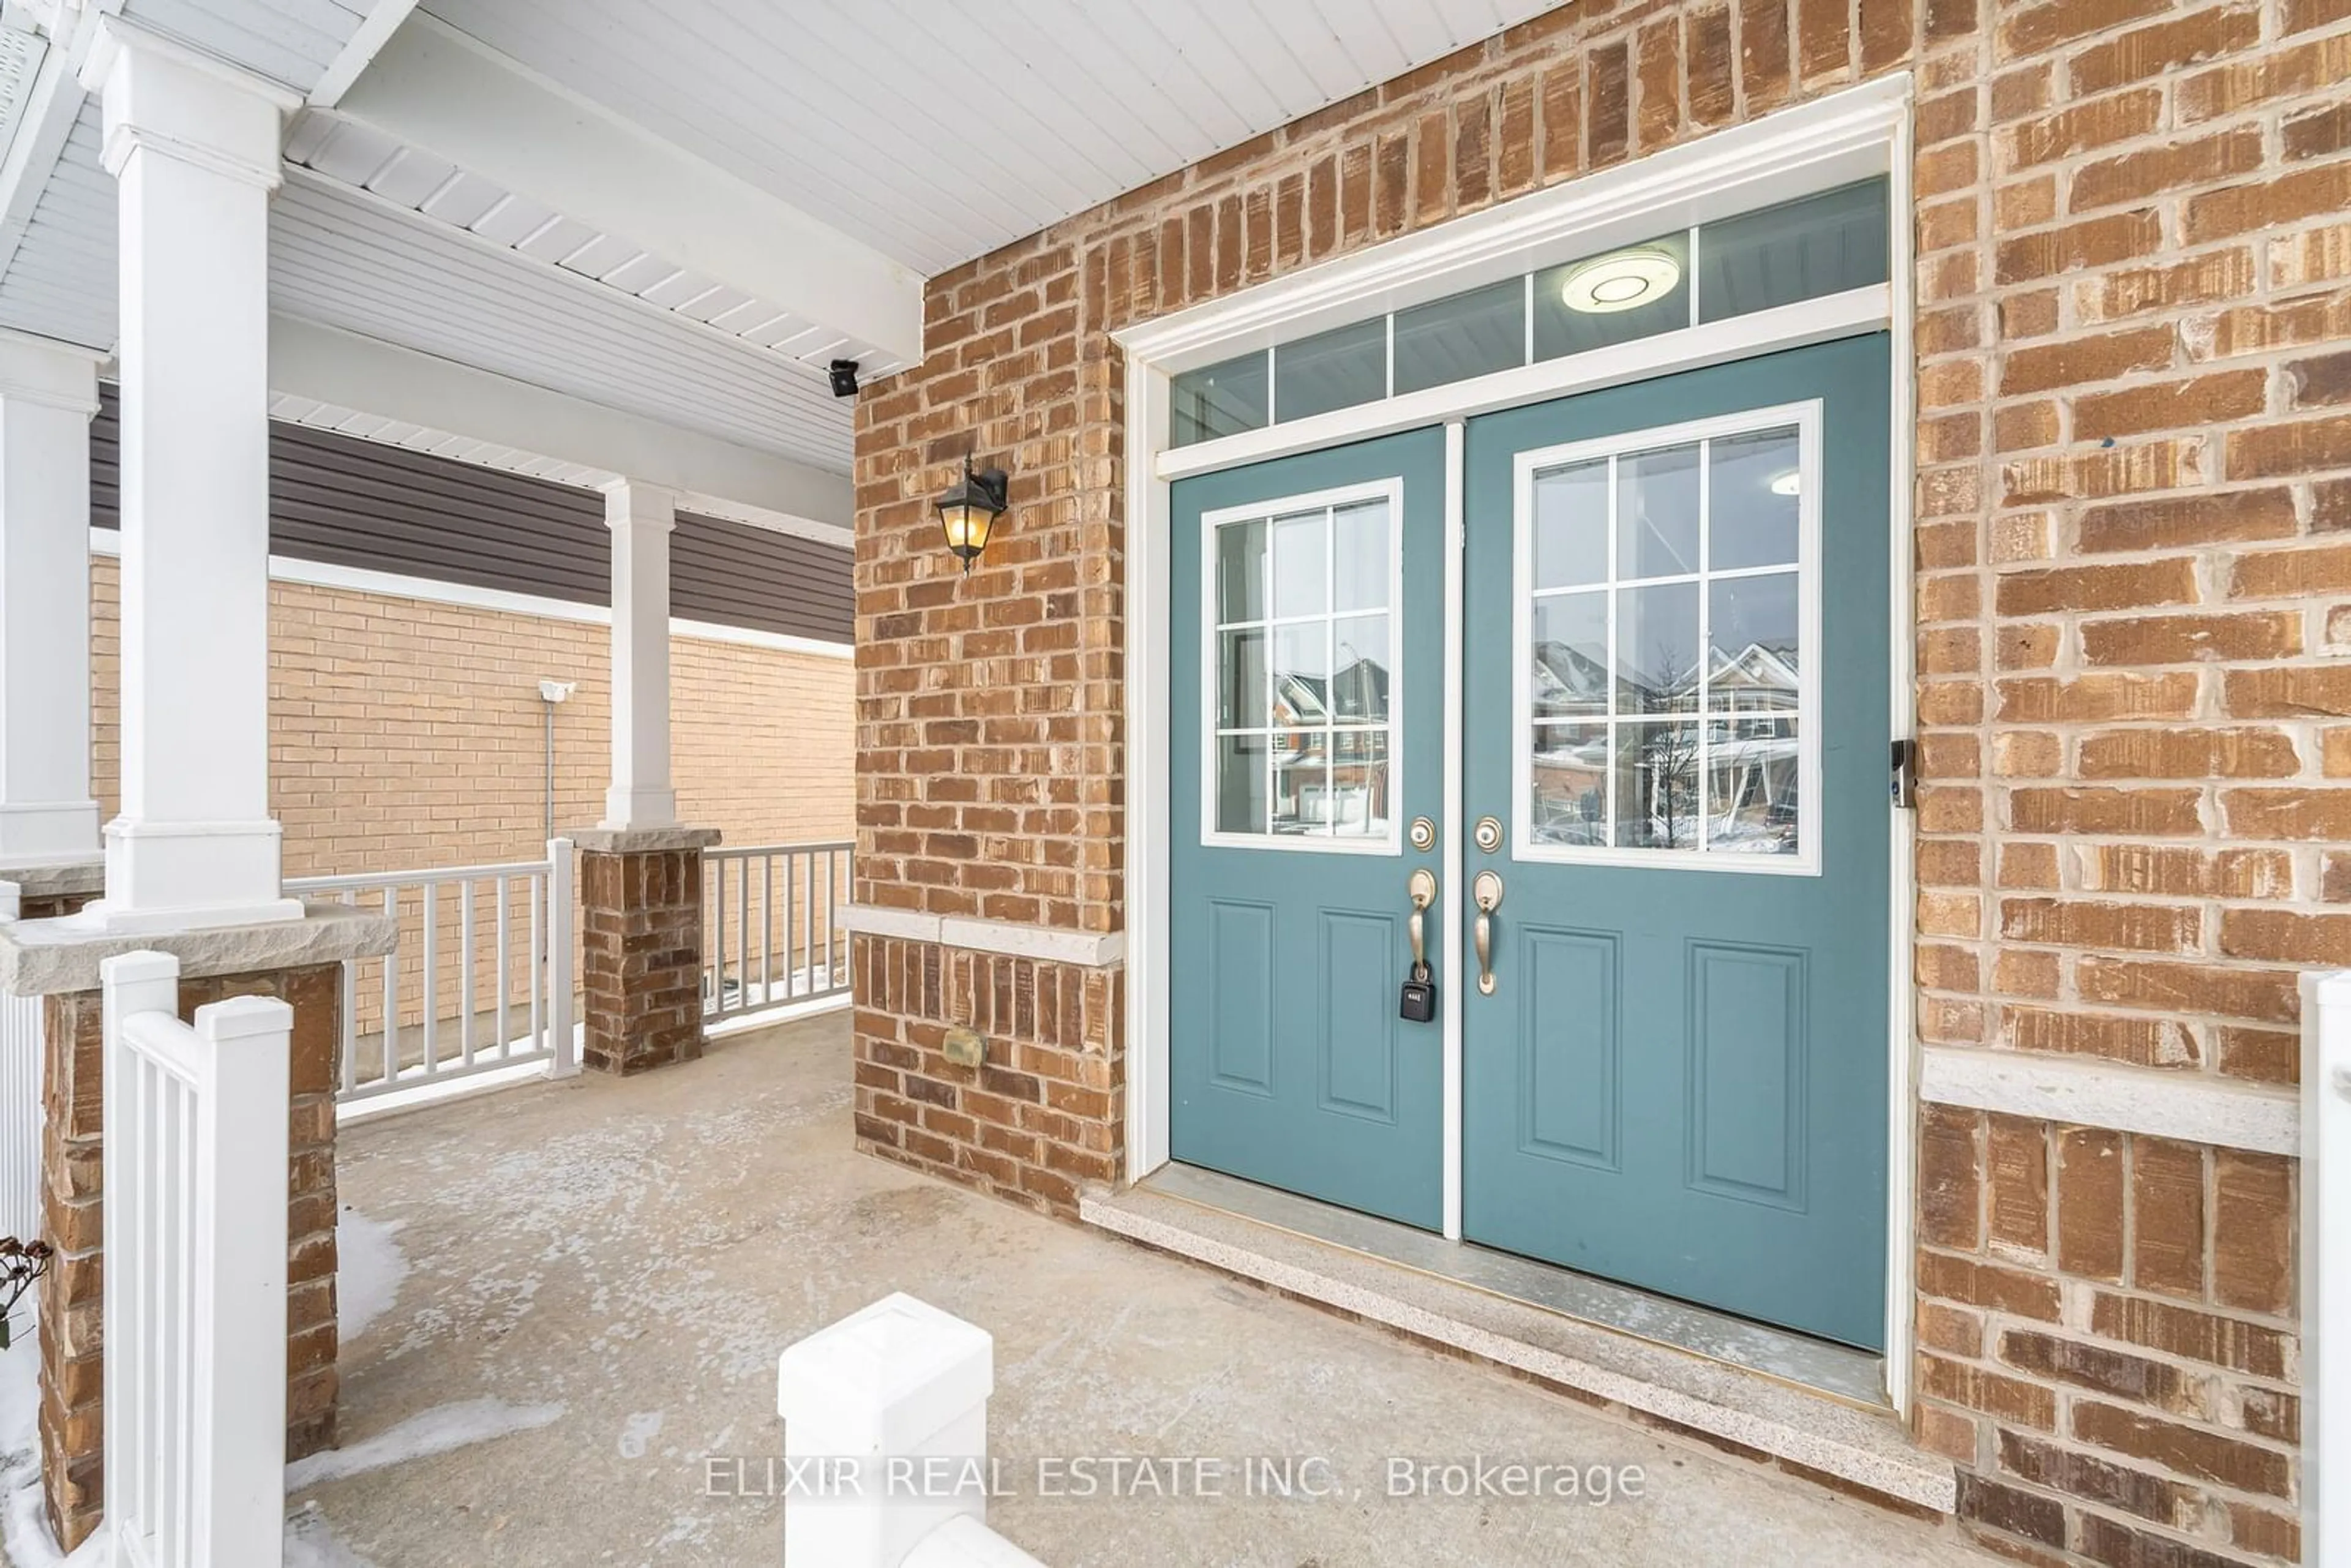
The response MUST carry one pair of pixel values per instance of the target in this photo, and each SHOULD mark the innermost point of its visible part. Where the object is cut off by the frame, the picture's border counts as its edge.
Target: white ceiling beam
(436, 88)
(331, 366)
(375, 30)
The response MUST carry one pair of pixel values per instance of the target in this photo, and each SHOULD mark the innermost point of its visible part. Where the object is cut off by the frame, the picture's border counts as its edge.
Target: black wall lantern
(969, 511)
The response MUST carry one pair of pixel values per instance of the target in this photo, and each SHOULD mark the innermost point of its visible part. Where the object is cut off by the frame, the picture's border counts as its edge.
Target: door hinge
(1902, 781)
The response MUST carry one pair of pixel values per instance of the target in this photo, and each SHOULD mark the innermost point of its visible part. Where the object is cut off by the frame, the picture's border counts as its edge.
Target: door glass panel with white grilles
(1667, 591)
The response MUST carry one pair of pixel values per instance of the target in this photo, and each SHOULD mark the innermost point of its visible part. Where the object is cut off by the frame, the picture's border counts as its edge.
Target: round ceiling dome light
(1792, 483)
(1623, 281)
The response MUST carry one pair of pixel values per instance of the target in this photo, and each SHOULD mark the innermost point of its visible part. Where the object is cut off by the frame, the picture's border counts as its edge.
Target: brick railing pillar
(72, 1367)
(296, 961)
(641, 957)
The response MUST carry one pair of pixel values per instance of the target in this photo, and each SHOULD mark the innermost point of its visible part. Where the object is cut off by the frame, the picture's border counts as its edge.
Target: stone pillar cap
(46, 958)
(638, 841)
(57, 877)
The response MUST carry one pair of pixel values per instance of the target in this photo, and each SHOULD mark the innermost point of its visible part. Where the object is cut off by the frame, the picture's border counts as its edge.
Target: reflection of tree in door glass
(1657, 787)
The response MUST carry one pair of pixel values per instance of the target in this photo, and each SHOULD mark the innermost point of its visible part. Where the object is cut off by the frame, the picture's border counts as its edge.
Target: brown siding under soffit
(347, 502)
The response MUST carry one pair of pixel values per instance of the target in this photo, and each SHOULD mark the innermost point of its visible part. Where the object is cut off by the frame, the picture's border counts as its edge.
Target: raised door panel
(1569, 1040)
(1748, 1048)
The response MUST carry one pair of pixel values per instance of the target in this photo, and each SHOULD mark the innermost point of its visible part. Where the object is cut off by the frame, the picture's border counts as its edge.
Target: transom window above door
(1667, 617)
(1804, 249)
(1299, 601)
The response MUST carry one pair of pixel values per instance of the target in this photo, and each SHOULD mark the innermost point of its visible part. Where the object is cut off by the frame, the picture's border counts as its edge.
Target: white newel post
(47, 394)
(195, 1293)
(194, 146)
(2327, 1268)
(886, 1434)
(641, 517)
(562, 915)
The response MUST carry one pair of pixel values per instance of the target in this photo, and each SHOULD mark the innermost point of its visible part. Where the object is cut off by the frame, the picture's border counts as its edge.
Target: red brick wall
(2108, 1319)
(2133, 258)
(1039, 1117)
(2133, 349)
(640, 959)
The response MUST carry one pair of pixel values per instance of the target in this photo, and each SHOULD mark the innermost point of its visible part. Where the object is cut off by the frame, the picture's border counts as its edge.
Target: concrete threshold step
(1830, 1437)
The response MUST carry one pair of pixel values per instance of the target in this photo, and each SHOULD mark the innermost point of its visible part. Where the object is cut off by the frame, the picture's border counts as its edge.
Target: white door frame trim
(1856, 134)
(1453, 838)
(1902, 1012)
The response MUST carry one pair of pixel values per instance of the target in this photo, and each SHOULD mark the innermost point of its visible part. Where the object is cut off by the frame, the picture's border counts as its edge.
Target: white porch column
(641, 517)
(47, 394)
(195, 146)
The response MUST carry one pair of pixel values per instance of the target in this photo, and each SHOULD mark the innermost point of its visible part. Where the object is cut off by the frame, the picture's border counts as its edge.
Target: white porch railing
(2327, 1268)
(196, 1144)
(887, 1410)
(768, 936)
(482, 979)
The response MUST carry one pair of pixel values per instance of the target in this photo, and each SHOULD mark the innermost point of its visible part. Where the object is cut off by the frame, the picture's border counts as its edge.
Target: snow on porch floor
(580, 1291)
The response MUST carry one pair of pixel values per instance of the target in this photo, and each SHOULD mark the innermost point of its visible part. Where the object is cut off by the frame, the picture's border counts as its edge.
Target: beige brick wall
(406, 734)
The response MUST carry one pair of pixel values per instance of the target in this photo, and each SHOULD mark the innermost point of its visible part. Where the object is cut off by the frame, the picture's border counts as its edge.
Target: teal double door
(1673, 723)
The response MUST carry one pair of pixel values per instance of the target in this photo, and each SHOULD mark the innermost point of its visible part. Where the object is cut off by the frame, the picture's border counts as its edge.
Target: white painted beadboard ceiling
(60, 282)
(439, 191)
(936, 131)
(350, 259)
(345, 257)
(932, 130)
(20, 58)
(290, 41)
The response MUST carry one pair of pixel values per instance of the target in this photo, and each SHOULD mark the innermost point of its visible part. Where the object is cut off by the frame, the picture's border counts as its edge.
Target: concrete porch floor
(599, 1275)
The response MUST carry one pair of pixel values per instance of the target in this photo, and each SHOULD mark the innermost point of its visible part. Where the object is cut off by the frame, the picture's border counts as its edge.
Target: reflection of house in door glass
(1302, 602)
(1745, 744)
(1330, 755)
(1751, 752)
(1571, 760)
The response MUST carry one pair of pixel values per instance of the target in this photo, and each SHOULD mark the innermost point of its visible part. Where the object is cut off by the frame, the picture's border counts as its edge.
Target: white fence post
(21, 1049)
(195, 1158)
(2326, 1268)
(560, 915)
(885, 1432)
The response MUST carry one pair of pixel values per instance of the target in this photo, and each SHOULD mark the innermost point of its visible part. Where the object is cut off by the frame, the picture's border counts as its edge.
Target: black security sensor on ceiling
(844, 378)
